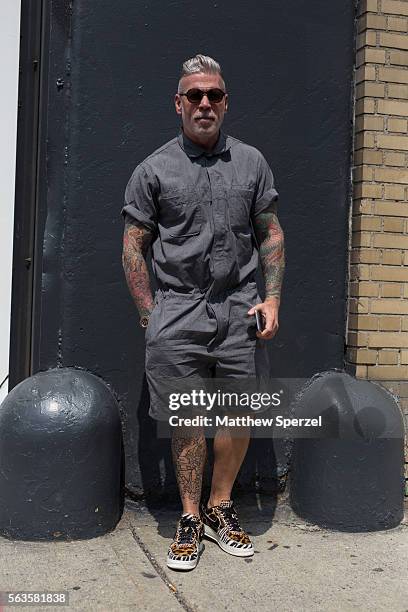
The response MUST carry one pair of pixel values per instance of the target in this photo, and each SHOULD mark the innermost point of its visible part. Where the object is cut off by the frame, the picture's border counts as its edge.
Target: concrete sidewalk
(296, 567)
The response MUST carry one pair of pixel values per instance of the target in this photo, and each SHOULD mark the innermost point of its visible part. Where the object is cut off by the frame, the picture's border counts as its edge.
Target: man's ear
(177, 103)
(226, 102)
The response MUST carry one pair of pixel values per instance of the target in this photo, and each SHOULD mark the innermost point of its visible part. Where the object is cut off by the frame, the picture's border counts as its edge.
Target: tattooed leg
(189, 449)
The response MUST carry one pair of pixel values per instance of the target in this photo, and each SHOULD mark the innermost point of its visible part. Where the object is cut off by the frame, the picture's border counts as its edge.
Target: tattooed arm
(270, 239)
(136, 240)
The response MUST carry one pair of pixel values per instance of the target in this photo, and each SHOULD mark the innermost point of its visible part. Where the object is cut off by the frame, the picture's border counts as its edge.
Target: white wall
(9, 53)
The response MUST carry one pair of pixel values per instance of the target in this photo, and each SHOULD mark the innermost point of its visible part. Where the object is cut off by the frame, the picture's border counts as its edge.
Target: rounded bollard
(349, 474)
(60, 458)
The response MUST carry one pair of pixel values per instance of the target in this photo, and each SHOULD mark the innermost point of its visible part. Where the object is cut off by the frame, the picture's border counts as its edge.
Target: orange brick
(364, 223)
(362, 207)
(403, 403)
(397, 23)
(392, 258)
(357, 338)
(397, 91)
(393, 224)
(368, 256)
(400, 58)
(392, 75)
(393, 209)
(361, 239)
(387, 339)
(387, 372)
(393, 41)
(370, 89)
(393, 107)
(385, 141)
(370, 56)
(372, 22)
(394, 192)
(404, 357)
(390, 241)
(389, 306)
(368, 122)
(396, 125)
(363, 173)
(367, 73)
(366, 140)
(361, 356)
(389, 323)
(368, 156)
(392, 175)
(367, 5)
(391, 290)
(360, 272)
(389, 273)
(364, 289)
(394, 159)
(395, 7)
(364, 105)
(361, 371)
(388, 357)
(366, 39)
(358, 305)
(363, 322)
(367, 190)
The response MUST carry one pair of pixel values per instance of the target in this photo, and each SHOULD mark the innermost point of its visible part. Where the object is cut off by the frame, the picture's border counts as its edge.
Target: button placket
(220, 244)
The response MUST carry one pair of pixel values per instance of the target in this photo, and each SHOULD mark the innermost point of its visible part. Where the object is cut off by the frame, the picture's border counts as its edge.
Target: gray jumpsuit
(199, 206)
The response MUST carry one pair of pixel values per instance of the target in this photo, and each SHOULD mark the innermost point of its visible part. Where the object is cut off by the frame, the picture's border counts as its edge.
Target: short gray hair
(200, 63)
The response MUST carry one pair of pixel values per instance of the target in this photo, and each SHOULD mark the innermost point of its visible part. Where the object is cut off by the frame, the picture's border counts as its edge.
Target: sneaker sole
(185, 565)
(236, 552)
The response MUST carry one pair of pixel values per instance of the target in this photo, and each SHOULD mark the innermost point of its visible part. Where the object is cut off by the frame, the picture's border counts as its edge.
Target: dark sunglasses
(196, 95)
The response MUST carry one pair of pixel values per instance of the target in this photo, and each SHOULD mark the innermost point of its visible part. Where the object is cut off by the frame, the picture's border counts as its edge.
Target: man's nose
(205, 102)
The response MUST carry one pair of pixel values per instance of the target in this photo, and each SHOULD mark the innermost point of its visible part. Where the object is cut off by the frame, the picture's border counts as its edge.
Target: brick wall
(377, 336)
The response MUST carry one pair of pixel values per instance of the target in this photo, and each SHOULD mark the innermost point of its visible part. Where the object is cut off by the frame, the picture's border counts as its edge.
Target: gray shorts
(192, 337)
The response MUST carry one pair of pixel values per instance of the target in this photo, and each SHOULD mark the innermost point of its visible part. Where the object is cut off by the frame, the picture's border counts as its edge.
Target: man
(194, 200)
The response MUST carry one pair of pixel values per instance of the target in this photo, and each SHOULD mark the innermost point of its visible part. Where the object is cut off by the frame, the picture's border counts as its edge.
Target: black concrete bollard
(351, 478)
(60, 458)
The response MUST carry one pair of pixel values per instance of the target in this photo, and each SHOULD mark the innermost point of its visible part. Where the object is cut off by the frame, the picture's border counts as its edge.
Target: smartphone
(259, 320)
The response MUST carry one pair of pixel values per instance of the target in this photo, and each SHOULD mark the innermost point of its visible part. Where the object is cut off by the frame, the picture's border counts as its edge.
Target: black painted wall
(110, 71)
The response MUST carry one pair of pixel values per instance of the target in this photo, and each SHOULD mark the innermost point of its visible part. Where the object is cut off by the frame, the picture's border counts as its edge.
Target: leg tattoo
(189, 453)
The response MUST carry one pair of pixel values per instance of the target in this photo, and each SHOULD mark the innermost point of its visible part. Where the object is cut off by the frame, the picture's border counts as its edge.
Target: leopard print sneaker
(221, 525)
(185, 549)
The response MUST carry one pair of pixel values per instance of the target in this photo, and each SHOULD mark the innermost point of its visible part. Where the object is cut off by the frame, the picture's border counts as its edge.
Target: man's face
(201, 120)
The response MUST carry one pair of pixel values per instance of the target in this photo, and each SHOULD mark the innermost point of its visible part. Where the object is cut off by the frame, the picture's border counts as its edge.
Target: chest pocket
(239, 205)
(181, 214)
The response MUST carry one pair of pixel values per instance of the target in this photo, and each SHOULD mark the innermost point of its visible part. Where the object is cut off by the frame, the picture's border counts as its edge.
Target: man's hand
(269, 310)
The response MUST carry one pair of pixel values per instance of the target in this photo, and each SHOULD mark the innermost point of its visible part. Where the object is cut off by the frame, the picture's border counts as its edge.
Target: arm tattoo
(271, 250)
(189, 452)
(136, 241)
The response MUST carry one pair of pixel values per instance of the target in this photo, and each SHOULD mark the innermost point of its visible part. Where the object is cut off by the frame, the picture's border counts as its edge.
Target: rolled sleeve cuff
(265, 201)
(133, 212)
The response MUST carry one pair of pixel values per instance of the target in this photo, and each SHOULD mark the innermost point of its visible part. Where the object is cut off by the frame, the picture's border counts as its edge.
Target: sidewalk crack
(160, 572)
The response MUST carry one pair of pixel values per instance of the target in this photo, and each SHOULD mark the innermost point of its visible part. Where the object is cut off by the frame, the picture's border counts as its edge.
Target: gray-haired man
(193, 200)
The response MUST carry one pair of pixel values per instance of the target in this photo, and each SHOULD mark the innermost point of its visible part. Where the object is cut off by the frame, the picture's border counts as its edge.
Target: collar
(194, 150)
